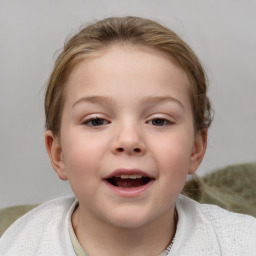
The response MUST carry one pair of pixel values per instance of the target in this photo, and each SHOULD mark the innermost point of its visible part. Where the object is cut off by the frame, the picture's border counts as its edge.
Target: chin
(130, 219)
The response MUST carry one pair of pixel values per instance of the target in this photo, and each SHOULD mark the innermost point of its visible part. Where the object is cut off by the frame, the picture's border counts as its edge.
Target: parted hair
(136, 31)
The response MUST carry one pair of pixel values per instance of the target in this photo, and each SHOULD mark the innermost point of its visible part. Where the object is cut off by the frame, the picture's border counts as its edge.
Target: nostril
(137, 150)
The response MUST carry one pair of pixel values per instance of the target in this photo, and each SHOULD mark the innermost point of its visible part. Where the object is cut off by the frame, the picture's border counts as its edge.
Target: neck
(100, 238)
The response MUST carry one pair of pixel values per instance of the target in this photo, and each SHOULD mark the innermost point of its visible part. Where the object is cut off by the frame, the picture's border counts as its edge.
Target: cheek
(173, 155)
(173, 170)
(81, 154)
(80, 167)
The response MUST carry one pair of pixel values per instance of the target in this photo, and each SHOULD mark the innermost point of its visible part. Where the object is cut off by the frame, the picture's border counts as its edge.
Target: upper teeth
(132, 176)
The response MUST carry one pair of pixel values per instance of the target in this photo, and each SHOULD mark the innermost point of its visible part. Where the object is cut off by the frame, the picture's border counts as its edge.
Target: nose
(129, 140)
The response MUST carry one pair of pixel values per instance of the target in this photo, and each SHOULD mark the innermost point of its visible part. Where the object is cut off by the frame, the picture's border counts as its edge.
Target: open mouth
(128, 181)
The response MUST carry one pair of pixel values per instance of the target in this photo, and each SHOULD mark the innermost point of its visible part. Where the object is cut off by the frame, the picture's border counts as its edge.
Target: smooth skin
(128, 107)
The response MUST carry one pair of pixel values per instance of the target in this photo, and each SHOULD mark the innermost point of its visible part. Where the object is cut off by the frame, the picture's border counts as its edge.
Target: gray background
(222, 33)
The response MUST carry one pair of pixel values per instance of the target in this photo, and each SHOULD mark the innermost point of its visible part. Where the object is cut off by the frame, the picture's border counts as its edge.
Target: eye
(159, 122)
(96, 121)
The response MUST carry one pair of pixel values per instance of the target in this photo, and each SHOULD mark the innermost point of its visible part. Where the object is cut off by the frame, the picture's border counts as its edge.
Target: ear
(198, 151)
(54, 151)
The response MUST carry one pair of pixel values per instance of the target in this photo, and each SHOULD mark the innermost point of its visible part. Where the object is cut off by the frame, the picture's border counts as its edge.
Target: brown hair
(135, 31)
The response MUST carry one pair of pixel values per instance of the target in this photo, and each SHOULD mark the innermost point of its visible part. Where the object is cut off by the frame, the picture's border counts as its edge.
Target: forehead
(126, 67)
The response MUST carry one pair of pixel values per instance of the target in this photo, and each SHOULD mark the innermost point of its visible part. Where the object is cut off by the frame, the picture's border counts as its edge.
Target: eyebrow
(160, 99)
(95, 100)
(146, 100)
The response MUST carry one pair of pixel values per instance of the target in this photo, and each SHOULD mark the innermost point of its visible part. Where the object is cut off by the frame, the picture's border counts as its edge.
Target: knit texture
(201, 230)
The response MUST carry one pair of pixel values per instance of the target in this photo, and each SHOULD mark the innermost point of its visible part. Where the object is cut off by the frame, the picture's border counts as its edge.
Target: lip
(131, 191)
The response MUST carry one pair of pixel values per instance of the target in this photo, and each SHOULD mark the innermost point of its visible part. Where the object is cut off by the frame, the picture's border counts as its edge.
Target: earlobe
(54, 151)
(198, 152)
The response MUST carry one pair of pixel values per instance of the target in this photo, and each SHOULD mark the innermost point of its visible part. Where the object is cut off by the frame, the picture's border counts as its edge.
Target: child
(126, 118)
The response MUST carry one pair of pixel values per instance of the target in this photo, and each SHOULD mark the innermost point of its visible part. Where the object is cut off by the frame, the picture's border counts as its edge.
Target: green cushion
(232, 188)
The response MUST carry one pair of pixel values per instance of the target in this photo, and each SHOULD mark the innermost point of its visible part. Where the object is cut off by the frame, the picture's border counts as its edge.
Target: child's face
(126, 112)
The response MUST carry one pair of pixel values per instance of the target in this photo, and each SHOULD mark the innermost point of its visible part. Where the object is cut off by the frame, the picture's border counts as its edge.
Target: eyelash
(164, 121)
(90, 121)
(101, 121)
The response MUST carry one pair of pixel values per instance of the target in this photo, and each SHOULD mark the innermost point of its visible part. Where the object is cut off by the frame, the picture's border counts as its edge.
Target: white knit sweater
(202, 230)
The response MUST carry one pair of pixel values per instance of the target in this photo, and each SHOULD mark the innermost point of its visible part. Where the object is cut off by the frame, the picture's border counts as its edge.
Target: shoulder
(32, 230)
(233, 231)
(43, 213)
